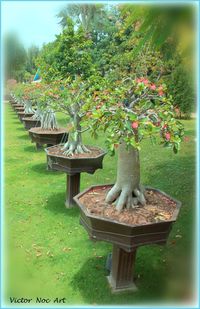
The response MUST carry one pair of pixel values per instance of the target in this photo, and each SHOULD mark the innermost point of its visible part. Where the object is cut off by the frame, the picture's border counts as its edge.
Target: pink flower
(160, 93)
(135, 125)
(139, 80)
(142, 80)
(167, 136)
(145, 81)
(153, 87)
(186, 139)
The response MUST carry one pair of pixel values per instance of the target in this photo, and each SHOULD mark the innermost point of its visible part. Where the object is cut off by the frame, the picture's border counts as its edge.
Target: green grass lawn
(48, 254)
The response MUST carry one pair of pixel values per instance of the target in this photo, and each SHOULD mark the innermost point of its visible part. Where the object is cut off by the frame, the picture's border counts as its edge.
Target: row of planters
(126, 214)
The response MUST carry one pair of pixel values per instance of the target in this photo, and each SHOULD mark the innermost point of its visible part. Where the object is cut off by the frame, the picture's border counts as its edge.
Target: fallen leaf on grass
(65, 249)
(178, 236)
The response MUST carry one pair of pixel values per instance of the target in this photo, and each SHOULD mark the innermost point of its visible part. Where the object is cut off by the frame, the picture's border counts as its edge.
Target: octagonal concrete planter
(12, 100)
(30, 123)
(74, 167)
(21, 115)
(125, 238)
(16, 105)
(50, 138)
(18, 108)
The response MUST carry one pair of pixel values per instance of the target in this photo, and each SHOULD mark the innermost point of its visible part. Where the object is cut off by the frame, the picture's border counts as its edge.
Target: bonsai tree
(24, 95)
(34, 94)
(69, 97)
(129, 111)
(18, 92)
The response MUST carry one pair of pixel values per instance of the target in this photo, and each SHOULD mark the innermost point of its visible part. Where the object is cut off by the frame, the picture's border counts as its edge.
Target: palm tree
(161, 24)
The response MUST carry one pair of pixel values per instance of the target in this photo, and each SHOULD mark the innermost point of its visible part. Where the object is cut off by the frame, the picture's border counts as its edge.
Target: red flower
(161, 93)
(135, 125)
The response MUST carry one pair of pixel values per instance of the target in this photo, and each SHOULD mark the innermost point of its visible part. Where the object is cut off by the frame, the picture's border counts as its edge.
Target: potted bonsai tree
(26, 99)
(127, 214)
(48, 133)
(16, 96)
(72, 157)
(33, 95)
(17, 102)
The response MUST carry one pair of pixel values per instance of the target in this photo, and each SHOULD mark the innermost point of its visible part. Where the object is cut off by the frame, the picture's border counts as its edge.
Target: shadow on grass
(31, 148)
(92, 277)
(24, 136)
(56, 204)
(16, 122)
(41, 168)
(20, 128)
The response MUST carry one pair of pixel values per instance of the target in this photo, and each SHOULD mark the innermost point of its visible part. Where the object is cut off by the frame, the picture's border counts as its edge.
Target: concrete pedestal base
(72, 189)
(121, 275)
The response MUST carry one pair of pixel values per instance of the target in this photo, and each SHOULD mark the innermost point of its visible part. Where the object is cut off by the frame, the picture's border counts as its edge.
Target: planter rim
(71, 158)
(50, 131)
(83, 208)
(29, 119)
(20, 113)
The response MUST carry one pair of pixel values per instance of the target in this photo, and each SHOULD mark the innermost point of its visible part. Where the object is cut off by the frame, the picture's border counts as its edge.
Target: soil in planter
(39, 130)
(57, 151)
(158, 207)
(30, 119)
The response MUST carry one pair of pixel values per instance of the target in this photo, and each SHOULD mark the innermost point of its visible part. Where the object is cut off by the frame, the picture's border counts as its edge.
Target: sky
(34, 22)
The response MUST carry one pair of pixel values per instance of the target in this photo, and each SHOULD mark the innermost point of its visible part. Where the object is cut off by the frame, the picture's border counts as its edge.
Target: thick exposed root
(124, 197)
(71, 148)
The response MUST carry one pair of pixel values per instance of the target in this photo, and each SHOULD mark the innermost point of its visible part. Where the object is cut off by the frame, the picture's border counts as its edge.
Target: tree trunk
(74, 143)
(127, 191)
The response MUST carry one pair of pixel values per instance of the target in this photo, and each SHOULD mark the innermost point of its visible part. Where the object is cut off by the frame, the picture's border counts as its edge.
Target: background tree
(157, 37)
(158, 24)
(181, 87)
(90, 16)
(14, 57)
(69, 54)
(32, 54)
(99, 24)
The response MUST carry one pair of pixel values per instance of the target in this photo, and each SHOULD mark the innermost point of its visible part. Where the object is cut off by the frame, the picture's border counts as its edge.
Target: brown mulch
(158, 207)
(94, 152)
(50, 131)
